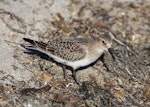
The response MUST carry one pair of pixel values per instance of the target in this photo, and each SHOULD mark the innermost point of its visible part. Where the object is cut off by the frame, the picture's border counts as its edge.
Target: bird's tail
(30, 41)
(34, 44)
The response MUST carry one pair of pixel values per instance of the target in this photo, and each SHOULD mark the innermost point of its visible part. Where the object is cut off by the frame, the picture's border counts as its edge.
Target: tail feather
(35, 44)
(29, 40)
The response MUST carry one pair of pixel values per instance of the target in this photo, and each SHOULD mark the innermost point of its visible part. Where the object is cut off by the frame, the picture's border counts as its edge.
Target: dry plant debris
(120, 78)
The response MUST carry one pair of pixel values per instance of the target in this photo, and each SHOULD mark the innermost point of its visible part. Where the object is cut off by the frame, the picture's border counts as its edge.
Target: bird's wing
(68, 50)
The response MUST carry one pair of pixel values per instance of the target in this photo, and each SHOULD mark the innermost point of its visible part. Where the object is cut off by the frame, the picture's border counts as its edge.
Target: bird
(72, 52)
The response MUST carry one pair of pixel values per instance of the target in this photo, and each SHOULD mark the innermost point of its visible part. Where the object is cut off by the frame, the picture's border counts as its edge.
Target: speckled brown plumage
(65, 49)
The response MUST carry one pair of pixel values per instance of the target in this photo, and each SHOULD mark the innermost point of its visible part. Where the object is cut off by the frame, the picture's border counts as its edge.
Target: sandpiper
(73, 52)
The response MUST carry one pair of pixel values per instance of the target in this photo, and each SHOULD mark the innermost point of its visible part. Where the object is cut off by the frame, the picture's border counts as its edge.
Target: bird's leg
(64, 72)
(104, 63)
(75, 77)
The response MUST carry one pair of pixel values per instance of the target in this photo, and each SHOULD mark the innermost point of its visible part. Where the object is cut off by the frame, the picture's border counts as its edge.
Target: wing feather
(67, 50)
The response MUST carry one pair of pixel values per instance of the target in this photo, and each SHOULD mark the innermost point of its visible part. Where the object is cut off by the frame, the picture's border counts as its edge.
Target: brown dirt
(120, 78)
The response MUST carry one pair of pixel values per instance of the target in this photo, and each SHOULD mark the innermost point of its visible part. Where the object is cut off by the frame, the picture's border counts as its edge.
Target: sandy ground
(119, 79)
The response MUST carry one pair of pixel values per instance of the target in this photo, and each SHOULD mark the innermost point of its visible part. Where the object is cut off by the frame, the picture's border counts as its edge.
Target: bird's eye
(103, 42)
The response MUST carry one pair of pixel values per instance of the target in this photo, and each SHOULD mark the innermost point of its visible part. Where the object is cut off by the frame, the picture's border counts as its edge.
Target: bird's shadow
(41, 55)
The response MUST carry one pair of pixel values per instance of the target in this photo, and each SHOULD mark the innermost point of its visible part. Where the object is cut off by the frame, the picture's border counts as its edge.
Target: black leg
(75, 77)
(64, 71)
(104, 63)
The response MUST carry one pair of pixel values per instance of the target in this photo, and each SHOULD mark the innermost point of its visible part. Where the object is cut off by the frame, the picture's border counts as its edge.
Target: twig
(121, 43)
